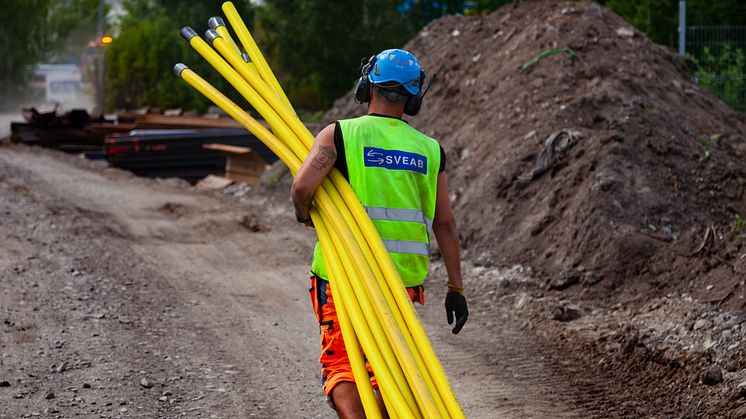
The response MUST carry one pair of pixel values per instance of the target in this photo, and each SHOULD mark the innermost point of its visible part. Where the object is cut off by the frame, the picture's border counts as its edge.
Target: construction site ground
(609, 282)
(123, 297)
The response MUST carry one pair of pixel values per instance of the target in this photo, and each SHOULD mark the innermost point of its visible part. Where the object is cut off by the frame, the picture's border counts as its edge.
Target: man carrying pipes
(399, 176)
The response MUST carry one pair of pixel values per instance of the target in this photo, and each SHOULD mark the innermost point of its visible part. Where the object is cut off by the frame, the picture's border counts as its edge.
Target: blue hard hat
(396, 65)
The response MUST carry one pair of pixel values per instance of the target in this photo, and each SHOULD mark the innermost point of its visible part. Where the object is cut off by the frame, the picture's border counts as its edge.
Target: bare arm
(317, 165)
(446, 233)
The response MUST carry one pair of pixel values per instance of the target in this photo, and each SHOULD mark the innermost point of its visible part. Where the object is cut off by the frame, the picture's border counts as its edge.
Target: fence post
(101, 59)
(682, 27)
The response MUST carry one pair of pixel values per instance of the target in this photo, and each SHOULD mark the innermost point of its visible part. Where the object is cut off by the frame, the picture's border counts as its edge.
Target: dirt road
(5, 120)
(122, 296)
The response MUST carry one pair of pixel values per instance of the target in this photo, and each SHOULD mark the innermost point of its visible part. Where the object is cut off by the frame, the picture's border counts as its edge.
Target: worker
(398, 174)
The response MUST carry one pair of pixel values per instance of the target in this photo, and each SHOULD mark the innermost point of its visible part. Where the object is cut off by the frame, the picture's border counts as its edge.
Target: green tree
(481, 7)
(140, 61)
(719, 53)
(420, 12)
(659, 18)
(315, 46)
(722, 74)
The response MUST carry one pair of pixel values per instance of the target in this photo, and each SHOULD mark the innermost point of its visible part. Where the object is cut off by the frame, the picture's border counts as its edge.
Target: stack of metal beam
(178, 153)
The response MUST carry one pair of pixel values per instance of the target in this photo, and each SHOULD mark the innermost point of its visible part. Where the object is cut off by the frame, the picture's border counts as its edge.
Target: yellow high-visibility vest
(393, 169)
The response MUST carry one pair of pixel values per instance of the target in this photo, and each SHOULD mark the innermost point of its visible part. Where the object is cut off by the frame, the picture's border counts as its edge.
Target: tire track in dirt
(499, 366)
(204, 308)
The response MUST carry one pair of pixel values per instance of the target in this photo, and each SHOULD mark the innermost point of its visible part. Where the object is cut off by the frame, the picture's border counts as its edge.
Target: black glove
(456, 302)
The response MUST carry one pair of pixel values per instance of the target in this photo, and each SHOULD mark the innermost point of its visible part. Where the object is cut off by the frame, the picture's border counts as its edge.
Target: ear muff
(414, 103)
(362, 89)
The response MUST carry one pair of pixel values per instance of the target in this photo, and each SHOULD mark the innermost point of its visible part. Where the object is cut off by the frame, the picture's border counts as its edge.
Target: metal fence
(720, 52)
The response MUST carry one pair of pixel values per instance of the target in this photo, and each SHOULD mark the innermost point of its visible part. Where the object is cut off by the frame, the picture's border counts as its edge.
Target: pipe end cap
(178, 68)
(188, 33)
(215, 21)
(211, 35)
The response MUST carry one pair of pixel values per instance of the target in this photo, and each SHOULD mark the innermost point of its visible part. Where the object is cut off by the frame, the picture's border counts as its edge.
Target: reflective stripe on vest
(403, 246)
(399, 214)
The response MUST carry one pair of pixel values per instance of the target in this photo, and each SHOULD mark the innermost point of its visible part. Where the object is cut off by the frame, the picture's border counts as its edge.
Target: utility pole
(101, 57)
(682, 27)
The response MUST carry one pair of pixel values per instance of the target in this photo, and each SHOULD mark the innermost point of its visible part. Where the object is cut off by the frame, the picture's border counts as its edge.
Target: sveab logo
(395, 160)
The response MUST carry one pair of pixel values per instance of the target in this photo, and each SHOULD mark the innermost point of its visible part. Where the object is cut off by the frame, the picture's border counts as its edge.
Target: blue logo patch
(395, 160)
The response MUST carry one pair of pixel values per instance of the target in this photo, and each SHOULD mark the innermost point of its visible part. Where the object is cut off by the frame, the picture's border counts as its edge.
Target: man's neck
(380, 107)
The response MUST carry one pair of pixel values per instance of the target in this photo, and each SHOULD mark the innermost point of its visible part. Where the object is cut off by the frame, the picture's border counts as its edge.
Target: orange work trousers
(335, 365)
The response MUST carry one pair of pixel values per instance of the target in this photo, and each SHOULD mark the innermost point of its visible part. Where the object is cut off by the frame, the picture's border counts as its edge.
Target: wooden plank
(228, 149)
(249, 180)
(162, 121)
(253, 166)
(241, 165)
(214, 182)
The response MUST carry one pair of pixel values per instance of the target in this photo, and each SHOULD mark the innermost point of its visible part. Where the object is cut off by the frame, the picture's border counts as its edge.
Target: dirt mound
(643, 192)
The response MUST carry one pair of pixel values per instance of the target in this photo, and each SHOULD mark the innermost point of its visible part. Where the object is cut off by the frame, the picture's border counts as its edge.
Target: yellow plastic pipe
(250, 75)
(247, 91)
(390, 303)
(222, 32)
(386, 399)
(400, 295)
(377, 251)
(242, 117)
(349, 298)
(246, 70)
(302, 132)
(403, 298)
(206, 52)
(263, 134)
(232, 109)
(242, 32)
(420, 338)
(234, 78)
(259, 128)
(217, 24)
(362, 381)
(378, 349)
(428, 354)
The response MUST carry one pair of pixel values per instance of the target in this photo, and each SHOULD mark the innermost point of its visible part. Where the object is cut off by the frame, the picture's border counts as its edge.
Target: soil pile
(644, 189)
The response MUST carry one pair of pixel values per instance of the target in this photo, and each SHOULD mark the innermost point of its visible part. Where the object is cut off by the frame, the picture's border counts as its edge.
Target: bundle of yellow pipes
(374, 309)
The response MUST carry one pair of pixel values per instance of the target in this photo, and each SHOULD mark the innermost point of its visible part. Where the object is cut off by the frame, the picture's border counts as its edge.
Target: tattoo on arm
(323, 158)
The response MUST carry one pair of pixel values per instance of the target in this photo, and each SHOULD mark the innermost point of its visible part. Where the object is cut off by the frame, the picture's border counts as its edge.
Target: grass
(706, 147)
(651, 111)
(547, 53)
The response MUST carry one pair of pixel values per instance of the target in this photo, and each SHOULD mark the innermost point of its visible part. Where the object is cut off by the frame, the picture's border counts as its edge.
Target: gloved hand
(456, 303)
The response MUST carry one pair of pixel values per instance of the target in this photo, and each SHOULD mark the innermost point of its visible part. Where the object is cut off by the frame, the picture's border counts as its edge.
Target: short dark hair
(392, 92)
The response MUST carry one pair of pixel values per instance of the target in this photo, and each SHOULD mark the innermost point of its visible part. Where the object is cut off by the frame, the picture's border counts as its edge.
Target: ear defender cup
(414, 103)
(362, 88)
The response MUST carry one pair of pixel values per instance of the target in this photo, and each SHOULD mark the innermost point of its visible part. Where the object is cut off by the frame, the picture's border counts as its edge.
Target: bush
(722, 74)
(140, 61)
